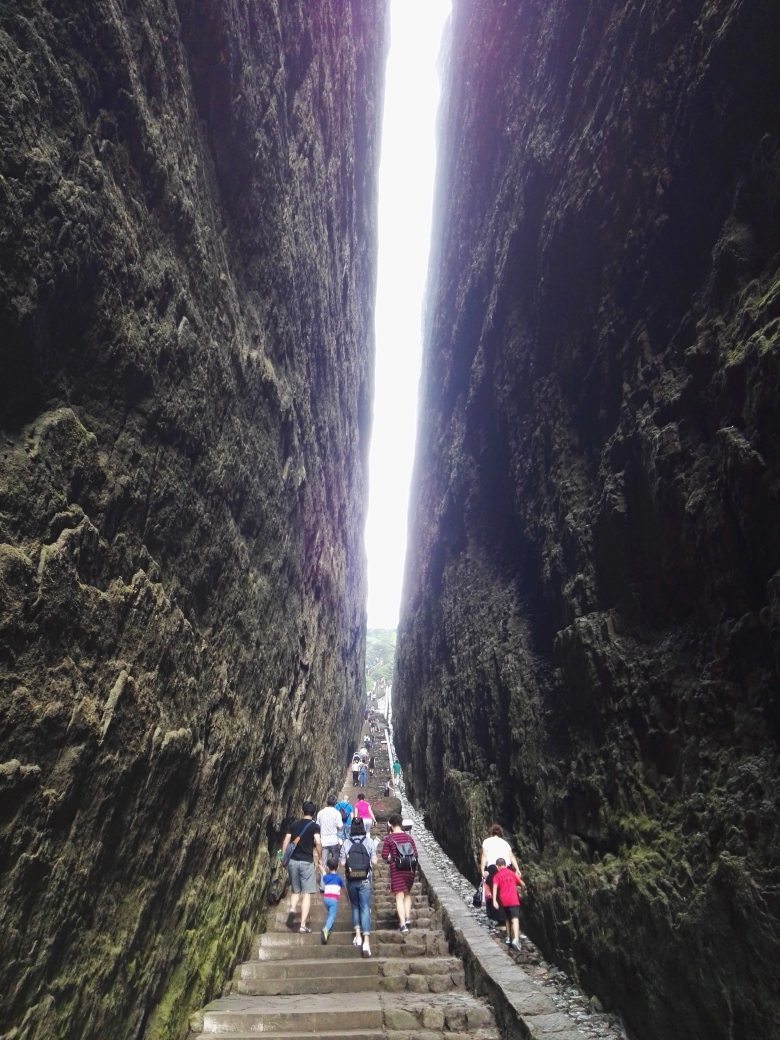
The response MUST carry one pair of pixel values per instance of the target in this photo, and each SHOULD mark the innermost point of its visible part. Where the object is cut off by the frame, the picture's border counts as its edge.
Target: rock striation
(187, 264)
(589, 646)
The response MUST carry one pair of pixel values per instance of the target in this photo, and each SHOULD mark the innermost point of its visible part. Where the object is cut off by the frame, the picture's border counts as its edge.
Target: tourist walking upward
(494, 847)
(401, 852)
(332, 886)
(362, 775)
(304, 834)
(345, 811)
(330, 823)
(358, 854)
(507, 898)
(365, 812)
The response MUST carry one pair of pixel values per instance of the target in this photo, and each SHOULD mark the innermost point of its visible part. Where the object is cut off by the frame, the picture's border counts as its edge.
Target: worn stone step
(416, 976)
(384, 917)
(278, 921)
(292, 939)
(417, 944)
(464, 1014)
(302, 953)
(304, 968)
(379, 923)
(292, 1014)
(431, 1034)
(338, 1034)
(310, 984)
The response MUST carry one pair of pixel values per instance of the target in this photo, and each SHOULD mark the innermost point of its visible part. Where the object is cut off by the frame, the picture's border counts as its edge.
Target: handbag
(479, 896)
(288, 852)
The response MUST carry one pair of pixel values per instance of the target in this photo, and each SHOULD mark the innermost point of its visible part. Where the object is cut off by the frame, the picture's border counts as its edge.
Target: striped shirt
(332, 885)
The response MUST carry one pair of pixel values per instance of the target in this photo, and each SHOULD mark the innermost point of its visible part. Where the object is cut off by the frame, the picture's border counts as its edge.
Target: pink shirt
(363, 810)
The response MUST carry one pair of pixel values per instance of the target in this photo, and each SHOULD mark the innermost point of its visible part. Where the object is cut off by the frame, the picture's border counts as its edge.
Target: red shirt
(505, 883)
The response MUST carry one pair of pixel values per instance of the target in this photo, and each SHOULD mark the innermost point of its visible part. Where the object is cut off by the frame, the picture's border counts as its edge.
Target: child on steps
(505, 889)
(332, 886)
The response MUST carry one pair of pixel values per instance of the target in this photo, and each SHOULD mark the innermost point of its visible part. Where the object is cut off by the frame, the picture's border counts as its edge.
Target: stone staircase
(294, 986)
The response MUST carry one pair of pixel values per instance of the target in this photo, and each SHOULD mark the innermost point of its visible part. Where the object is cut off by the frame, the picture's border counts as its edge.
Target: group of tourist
(363, 764)
(341, 836)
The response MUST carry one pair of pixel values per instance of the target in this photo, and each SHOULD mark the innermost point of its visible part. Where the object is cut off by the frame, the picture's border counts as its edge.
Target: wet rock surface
(586, 1012)
(187, 238)
(590, 635)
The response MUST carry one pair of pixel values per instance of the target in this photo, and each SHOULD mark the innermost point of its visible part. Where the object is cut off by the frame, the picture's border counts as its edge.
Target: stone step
(338, 1034)
(421, 975)
(379, 922)
(305, 968)
(292, 939)
(310, 984)
(421, 946)
(292, 1014)
(384, 921)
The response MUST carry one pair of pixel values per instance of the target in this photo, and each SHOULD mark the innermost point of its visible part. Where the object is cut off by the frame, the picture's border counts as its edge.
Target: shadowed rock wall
(590, 636)
(187, 240)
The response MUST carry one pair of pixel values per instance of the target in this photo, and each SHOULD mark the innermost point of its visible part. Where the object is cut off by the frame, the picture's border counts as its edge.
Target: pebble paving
(586, 1013)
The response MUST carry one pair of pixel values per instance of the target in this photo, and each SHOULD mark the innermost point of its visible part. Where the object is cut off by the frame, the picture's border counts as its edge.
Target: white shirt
(330, 823)
(494, 848)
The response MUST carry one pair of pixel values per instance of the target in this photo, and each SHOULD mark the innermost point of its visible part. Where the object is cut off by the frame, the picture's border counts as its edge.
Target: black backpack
(344, 814)
(405, 858)
(358, 861)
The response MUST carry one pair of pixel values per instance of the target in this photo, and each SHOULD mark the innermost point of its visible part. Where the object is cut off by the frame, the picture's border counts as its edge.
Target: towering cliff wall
(187, 239)
(590, 636)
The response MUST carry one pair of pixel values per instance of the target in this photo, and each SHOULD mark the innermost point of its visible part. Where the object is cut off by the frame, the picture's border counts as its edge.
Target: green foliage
(380, 654)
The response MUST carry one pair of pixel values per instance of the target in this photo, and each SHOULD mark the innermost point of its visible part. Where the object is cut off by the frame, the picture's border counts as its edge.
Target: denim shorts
(301, 873)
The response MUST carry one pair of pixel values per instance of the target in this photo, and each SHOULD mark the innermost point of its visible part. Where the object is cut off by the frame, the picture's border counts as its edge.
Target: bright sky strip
(405, 202)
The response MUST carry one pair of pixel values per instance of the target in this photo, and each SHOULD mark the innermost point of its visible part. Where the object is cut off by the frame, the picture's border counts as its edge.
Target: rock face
(589, 646)
(187, 219)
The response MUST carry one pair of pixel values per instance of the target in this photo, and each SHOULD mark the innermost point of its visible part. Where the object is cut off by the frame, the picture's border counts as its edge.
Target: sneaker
(357, 941)
(366, 950)
(325, 933)
(304, 929)
(404, 928)
(290, 922)
(516, 944)
(508, 941)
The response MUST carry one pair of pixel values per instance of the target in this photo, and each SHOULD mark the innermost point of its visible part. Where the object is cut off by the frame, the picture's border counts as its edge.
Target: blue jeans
(360, 900)
(331, 905)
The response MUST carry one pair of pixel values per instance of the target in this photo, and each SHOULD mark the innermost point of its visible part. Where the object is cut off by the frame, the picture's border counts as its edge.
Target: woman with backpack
(365, 812)
(401, 852)
(358, 854)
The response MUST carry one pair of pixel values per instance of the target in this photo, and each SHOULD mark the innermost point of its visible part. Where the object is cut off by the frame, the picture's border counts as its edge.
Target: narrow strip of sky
(405, 204)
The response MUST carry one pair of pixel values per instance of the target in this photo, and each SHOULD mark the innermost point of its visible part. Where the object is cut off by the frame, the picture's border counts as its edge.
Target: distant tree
(380, 655)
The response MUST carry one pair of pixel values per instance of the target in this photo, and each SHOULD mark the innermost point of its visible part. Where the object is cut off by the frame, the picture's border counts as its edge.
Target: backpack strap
(296, 840)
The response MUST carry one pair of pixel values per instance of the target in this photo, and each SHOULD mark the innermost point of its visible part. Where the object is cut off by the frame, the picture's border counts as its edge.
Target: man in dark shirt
(303, 864)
